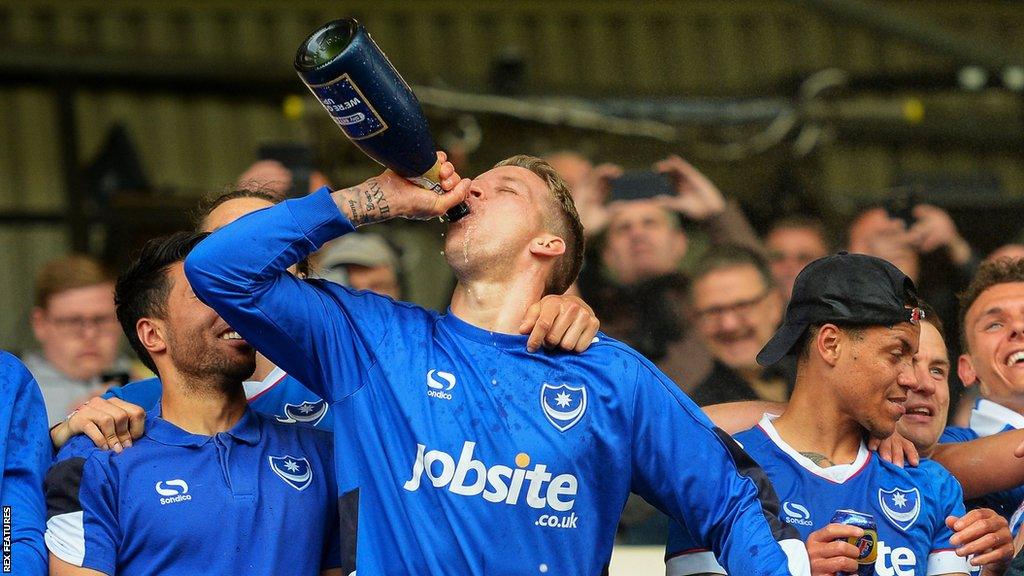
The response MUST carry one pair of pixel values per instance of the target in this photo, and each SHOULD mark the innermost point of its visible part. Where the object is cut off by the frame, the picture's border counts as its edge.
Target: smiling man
(854, 325)
(466, 453)
(736, 309)
(212, 485)
(992, 333)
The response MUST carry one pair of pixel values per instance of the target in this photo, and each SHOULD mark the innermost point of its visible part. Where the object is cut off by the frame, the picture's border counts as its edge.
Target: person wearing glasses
(736, 307)
(74, 322)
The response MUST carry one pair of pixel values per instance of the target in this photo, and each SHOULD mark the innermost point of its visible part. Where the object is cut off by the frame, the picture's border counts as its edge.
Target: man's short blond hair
(67, 273)
(562, 220)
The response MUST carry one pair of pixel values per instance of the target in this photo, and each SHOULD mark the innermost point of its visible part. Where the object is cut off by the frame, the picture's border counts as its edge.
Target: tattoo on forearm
(364, 204)
(820, 460)
(380, 200)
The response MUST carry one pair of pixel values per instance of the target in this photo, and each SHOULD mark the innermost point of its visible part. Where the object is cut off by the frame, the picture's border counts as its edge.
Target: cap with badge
(845, 289)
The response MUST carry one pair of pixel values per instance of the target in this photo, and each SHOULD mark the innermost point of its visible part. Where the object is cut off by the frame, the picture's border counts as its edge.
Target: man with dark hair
(736, 309)
(982, 535)
(445, 421)
(854, 323)
(206, 455)
(992, 336)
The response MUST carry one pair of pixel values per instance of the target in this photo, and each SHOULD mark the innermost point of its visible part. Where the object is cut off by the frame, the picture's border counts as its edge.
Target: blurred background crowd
(714, 149)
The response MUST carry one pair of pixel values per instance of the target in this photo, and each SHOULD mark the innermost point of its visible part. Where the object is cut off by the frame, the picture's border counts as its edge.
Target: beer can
(866, 544)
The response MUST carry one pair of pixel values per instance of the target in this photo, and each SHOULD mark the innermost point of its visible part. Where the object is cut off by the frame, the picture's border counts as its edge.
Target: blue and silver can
(866, 544)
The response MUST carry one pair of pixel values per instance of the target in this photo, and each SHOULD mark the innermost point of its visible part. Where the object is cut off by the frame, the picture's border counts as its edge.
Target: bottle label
(351, 111)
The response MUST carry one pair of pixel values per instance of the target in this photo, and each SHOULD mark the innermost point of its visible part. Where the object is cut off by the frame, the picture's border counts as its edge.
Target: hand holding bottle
(392, 196)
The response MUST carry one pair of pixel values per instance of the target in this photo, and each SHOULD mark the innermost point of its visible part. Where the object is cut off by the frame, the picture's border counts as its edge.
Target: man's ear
(829, 343)
(547, 245)
(151, 333)
(38, 320)
(965, 368)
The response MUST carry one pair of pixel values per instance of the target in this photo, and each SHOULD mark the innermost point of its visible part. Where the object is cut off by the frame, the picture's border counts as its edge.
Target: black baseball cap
(845, 289)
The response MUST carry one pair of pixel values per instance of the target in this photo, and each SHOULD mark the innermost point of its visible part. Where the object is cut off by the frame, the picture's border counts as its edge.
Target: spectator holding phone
(638, 287)
(923, 242)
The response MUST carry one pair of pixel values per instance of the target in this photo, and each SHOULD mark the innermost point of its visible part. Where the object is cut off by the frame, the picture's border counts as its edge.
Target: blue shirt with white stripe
(259, 498)
(909, 505)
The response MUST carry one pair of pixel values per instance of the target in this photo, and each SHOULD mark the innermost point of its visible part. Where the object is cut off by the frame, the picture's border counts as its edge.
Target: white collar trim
(254, 388)
(839, 473)
(988, 418)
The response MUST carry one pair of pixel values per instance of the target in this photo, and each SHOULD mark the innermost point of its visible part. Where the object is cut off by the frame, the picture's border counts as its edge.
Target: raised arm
(701, 478)
(318, 332)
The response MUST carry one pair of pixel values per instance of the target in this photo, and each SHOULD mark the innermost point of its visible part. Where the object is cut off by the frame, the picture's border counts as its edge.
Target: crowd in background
(702, 324)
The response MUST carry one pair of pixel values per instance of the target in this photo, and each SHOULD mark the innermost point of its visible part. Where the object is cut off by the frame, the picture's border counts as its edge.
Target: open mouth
(919, 411)
(230, 335)
(1015, 359)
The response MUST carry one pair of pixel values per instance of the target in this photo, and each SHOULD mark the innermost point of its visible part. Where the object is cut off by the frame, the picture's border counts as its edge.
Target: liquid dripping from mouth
(470, 232)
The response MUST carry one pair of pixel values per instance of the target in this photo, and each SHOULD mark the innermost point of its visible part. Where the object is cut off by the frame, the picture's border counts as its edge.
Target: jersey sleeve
(82, 527)
(144, 393)
(957, 434)
(942, 558)
(26, 455)
(321, 333)
(331, 556)
(684, 557)
(702, 479)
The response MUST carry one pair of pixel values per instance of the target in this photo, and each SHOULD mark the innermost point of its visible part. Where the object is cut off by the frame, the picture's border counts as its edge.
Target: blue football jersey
(257, 499)
(465, 453)
(25, 453)
(910, 506)
(988, 418)
(278, 395)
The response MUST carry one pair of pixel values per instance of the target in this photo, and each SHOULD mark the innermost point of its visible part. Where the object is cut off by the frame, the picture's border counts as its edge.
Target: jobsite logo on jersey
(498, 483)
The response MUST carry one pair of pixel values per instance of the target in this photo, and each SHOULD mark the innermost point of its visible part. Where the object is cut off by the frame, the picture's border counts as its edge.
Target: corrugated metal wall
(595, 47)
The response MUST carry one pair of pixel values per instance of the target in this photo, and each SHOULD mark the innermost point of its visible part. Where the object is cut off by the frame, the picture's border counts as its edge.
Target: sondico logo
(898, 561)
(439, 383)
(497, 483)
(796, 514)
(174, 491)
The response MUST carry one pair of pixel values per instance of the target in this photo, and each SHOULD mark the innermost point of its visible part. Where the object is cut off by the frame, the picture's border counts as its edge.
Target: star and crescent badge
(563, 405)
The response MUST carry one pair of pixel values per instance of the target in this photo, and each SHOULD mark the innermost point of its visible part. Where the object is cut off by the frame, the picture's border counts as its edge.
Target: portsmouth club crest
(900, 506)
(296, 472)
(307, 413)
(563, 405)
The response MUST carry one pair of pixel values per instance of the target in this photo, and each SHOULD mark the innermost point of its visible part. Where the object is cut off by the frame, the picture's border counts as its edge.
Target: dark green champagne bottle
(370, 102)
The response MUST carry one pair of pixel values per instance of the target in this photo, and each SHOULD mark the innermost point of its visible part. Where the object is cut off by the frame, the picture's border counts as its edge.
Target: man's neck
(204, 408)
(497, 306)
(816, 428)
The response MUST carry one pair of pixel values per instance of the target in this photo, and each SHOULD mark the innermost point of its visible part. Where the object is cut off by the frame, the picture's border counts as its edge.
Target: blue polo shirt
(259, 498)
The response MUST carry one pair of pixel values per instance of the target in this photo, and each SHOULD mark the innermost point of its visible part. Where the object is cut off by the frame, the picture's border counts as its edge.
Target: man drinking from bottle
(467, 454)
